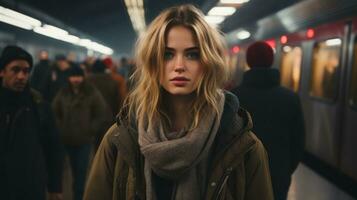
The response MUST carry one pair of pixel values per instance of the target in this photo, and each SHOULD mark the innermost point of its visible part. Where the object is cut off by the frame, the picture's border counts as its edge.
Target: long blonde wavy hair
(145, 100)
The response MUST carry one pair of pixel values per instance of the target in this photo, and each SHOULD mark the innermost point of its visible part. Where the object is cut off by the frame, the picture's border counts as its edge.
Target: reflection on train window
(232, 66)
(325, 69)
(240, 68)
(290, 67)
(353, 88)
(242, 62)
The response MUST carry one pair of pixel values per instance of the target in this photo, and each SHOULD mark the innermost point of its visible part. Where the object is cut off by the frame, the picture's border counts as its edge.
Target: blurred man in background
(29, 142)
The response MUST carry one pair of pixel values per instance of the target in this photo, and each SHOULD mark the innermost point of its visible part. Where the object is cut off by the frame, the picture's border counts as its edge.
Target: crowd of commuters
(48, 112)
(168, 132)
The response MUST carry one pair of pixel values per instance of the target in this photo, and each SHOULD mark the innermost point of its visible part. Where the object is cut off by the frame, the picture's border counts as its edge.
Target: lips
(179, 81)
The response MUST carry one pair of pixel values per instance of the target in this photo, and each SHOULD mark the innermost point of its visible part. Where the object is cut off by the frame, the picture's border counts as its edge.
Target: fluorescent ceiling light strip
(84, 42)
(71, 39)
(19, 16)
(66, 38)
(222, 11)
(243, 35)
(140, 3)
(136, 14)
(14, 22)
(55, 30)
(214, 19)
(47, 33)
(234, 1)
(133, 3)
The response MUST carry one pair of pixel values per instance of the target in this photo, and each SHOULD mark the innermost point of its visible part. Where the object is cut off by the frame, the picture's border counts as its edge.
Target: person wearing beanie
(56, 77)
(40, 74)
(122, 86)
(80, 112)
(276, 113)
(29, 140)
(108, 87)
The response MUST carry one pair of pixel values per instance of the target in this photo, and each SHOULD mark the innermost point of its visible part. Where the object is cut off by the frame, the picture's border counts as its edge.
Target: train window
(290, 67)
(353, 89)
(325, 69)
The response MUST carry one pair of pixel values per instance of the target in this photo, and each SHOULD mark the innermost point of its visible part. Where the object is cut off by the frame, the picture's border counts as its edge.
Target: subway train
(315, 45)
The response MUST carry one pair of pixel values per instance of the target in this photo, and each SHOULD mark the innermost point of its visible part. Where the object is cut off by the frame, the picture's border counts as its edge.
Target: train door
(321, 98)
(349, 136)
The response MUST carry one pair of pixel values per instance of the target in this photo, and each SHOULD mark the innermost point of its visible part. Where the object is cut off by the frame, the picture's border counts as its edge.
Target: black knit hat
(75, 70)
(11, 53)
(98, 66)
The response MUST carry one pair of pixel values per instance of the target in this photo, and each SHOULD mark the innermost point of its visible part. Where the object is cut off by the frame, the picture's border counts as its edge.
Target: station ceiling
(108, 20)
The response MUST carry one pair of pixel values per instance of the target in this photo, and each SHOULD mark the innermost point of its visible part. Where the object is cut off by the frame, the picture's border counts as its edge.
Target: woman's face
(182, 69)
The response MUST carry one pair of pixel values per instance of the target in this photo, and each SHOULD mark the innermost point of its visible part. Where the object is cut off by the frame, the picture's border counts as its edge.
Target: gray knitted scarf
(183, 158)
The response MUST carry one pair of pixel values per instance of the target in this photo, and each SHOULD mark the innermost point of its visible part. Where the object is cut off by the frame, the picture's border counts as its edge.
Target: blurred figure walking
(276, 113)
(108, 87)
(80, 114)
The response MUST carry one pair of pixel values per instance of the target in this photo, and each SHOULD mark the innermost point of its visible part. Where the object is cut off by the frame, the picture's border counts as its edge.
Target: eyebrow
(188, 49)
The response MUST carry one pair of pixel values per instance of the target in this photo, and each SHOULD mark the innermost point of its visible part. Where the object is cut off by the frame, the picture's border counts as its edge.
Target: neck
(178, 108)
(9, 97)
(75, 89)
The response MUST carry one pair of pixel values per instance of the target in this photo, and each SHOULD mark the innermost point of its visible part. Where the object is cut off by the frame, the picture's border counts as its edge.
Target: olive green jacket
(238, 169)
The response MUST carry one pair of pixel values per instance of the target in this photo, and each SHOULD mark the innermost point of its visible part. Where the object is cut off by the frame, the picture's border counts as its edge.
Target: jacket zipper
(222, 182)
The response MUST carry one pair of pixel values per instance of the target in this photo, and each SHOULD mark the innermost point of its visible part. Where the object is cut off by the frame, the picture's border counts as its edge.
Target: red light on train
(310, 33)
(283, 39)
(235, 49)
(271, 43)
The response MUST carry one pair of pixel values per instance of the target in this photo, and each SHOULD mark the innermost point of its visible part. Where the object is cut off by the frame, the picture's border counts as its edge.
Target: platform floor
(308, 185)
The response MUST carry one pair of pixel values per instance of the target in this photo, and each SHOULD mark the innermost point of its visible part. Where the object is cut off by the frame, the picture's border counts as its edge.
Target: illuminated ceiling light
(45, 32)
(95, 46)
(333, 42)
(23, 21)
(283, 39)
(55, 30)
(234, 1)
(242, 35)
(222, 11)
(136, 13)
(14, 22)
(287, 49)
(214, 19)
(20, 17)
(71, 39)
(84, 42)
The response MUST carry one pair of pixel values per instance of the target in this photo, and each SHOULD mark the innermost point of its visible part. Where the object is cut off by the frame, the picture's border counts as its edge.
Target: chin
(18, 89)
(180, 92)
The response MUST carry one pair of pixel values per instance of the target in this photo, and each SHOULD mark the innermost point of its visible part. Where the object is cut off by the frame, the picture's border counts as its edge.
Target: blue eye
(193, 55)
(168, 55)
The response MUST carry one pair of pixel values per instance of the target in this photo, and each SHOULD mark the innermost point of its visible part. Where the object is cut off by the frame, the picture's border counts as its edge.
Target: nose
(179, 64)
(21, 75)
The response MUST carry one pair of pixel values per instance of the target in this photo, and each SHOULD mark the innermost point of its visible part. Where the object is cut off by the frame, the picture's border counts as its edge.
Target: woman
(180, 136)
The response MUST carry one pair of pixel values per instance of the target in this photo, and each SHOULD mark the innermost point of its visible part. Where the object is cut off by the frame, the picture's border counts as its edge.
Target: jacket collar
(261, 78)
(13, 98)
